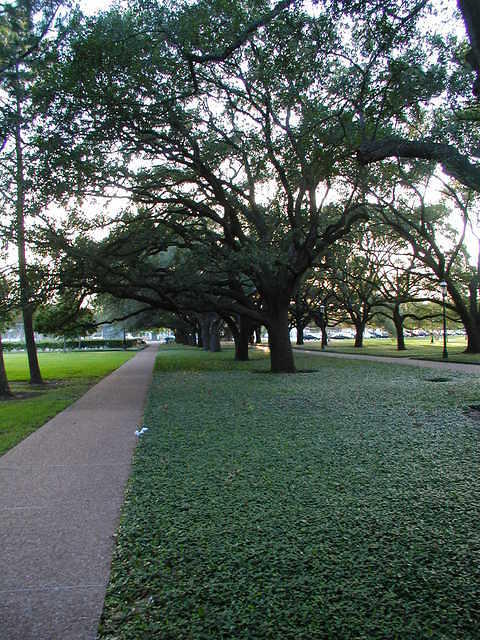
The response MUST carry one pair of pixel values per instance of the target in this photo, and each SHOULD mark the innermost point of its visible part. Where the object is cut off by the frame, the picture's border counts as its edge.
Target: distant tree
(354, 276)
(65, 317)
(437, 243)
(313, 295)
(402, 281)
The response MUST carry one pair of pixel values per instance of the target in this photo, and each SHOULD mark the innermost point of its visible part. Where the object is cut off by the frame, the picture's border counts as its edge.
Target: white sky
(92, 6)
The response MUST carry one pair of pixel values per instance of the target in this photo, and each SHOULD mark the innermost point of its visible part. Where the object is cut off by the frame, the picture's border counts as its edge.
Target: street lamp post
(321, 309)
(443, 286)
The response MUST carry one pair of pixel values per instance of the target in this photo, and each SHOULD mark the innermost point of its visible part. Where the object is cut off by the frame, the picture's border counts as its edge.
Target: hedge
(56, 345)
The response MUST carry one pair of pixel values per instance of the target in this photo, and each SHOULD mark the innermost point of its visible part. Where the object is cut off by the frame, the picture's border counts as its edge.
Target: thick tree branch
(253, 27)
(470, 10)
(455, 164)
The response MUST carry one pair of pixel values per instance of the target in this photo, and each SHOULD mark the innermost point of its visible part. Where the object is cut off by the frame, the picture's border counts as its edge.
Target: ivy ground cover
(337, 503)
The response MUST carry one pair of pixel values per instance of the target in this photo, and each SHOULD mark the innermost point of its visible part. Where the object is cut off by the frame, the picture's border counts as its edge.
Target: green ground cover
(416, 348)
(341, 503)
(68, 376)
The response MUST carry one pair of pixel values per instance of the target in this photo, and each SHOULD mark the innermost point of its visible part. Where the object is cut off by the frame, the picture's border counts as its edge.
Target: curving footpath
(412, 362)
(61, 492)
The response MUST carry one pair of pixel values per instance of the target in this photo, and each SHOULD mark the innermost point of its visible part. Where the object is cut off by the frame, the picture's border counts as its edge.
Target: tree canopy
(234, 133)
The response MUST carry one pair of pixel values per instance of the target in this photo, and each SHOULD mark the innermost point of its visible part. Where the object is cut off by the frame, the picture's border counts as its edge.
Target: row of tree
(257, 148)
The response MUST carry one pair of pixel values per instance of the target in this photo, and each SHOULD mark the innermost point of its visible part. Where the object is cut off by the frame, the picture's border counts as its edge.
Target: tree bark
(243, 340)
(300, 339)
(215, 345)
(323, 329)
(5, 391)
(470, 10)
(181, 336)
(452, 161)
(469, 314)
(215, 325)
(258, 335)
(205, 331)
(398, 322)
(26, 304)
(281, 353)
(321, 322)
(471, 322)
(210, 325)
(359, 331)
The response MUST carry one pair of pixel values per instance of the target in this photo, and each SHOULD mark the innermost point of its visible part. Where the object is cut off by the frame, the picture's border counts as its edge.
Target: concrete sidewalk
(61, 491)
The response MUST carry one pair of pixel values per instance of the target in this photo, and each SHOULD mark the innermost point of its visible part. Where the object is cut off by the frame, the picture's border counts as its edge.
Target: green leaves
(344, 500)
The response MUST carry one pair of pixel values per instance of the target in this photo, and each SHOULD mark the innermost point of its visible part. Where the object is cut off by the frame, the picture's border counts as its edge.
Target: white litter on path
(139, 432)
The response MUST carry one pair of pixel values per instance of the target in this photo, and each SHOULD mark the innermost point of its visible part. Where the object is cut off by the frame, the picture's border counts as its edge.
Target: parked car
(343, 335)
(380, 333)
(420, 332)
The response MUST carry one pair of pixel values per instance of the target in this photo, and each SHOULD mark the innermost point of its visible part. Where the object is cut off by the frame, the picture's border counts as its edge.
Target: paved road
(61, 491)
(427, 364)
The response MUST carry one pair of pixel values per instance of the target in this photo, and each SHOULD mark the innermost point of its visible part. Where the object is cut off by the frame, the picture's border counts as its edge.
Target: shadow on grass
(194, 360)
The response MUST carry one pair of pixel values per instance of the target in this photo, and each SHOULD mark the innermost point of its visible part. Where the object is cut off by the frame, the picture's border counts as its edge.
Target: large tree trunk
(25, 294)
(472, 329)
(205, 331)
(281, 353)
(210, 325)
(300, 333)
(181, 336)
(321, 322)
(323, 329)
(473, 322)
(398, 322)
(359, 331)
(401, 346)
(214, 326)
(34, 367)
(235, 333)
(215, 345)
(243, 340)
(258, 335)
(470, 11)
(5, 391)
(469, 314)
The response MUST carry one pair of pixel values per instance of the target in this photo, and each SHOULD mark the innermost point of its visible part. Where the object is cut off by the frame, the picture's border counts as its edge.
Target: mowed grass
(416, 348)
(341, 503)
(67, 377)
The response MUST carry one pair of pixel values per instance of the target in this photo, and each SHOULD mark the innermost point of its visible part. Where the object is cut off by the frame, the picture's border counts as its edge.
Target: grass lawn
(341, 503)
(416, 348)
(68, 376)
